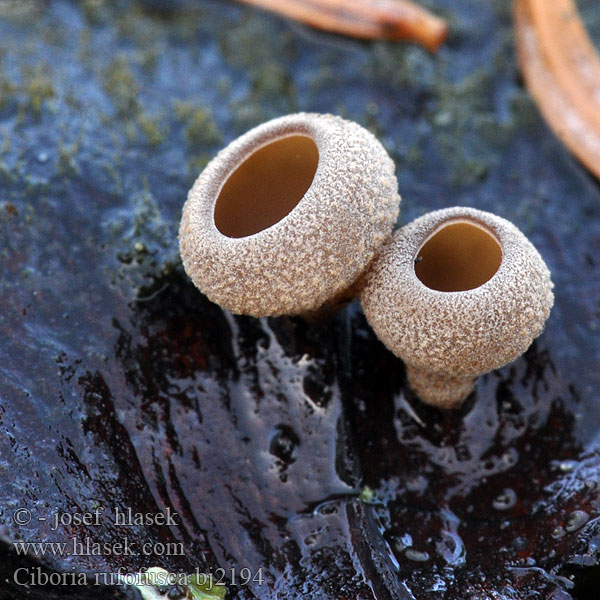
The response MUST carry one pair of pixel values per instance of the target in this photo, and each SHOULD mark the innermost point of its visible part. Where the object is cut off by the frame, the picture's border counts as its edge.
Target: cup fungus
(456, 293)
(288, 216)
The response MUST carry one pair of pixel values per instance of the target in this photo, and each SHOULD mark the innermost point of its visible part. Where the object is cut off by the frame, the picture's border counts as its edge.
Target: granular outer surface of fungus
(454, 305)
(254, 259)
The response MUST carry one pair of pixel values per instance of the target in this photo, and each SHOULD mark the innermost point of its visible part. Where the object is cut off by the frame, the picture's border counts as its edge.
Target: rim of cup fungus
(287, 217)
(493, 298)
(459, 255)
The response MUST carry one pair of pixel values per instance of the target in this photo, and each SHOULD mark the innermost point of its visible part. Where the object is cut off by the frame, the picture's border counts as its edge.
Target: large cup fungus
(456, 293)
(288, 216)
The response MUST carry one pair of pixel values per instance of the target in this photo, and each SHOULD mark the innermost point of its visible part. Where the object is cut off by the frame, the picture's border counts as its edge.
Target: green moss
(342, 110)
(224, 85)
(56, 35)
(247, 114)
(94, 11)
(147, 218)
(143, 241)
(367, 495)
(197, 164)
(403, 66)
(85, 53)
(272, 80)
(468, 161)
(200, 128)
(7, 90)
(35, 187)
(465, 100)
(134, 24)
(265, 53)
(114, 174)
(67, 164)
(6, 175)
(149, 58)
(524, 110)
(204, 589)
(121, 85)
(29, 213)
(272, 89)
(472, 170)
(468, 133)
(370, 120)
(414, 156)
(503, 8)
(130, 129)
(38, 89)
(30, 93)
(152, 129)
(151, 585)
(20, 11)
(253, 41)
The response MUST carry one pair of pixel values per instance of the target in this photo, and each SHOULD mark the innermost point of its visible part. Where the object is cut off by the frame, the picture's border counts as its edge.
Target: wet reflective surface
(291, 449)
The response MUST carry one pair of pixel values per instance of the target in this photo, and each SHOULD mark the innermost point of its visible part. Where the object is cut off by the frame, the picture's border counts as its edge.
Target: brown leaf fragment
(562, 71)
(366, 19)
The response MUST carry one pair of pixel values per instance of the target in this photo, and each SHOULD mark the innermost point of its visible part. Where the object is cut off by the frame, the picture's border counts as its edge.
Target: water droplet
(404, 542)
(43, 157)
(520, 543)
(415, 555)
(367, 495)
(439, 585)
(283, 444)
(327, 508)
(463, 453)
(125, 257)
(566, 466)
(510, 458)
(452, 549)
(505, 500)
(418, 483)
(443, 118)
(576, 519)
(557, 532)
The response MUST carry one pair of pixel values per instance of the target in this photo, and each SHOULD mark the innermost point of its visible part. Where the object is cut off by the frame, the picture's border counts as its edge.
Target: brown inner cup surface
(460, 256)
(266, 186)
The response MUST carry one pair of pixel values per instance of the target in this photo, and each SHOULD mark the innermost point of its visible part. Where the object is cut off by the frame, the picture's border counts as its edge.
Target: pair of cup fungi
(296, 216)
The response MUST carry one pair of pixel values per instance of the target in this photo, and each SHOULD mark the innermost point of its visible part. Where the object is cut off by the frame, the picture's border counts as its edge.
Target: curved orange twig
(562, 71)
(369, 19)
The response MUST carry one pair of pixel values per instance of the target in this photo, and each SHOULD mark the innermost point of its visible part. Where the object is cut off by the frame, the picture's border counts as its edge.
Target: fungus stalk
(457, 293)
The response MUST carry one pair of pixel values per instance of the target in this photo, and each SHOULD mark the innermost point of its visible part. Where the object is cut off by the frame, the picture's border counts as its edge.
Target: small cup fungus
(455, 294)
(288, 216)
